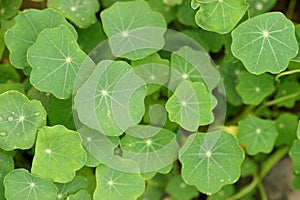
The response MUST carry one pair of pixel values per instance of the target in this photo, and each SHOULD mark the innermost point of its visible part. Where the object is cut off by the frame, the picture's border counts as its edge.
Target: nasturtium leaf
(169, 12)
(219, 16)
(115, 185)
(231, 75)
(6, 165)
(112, 99)
(134, 30)
(196, 66)
(29, 24)
(20, 119)
(296, 182)
(179, 190)
(257, 7)
(64, 107)
(224, 193)
(151, 147)
(287, 88)
(58, 154)
(257, 135)
(12, 86)
(249, 167)
(186, 15)
(81, 12)
(253, 89)
(286, 125)
(265, 43)
(8, 74)
(211, 160)
(66, 189)
(152, 192)
(9, 9)
(20, 184)
(295, 156)
(43, 97)
(80, 195)
(55, 59)
(191, 105)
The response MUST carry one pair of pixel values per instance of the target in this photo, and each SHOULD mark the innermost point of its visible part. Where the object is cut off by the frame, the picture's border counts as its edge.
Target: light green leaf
(191, 105)
(134, 30)
(20, 184)
(20, 119)
(286, 125)
(295, 156)
(219, 16)
(29, 24)
(257, 7)
(58, 154)
(211, 160)
(115, 185)
(66, 189)
(6, 165)
(287, 88)
(82, 13)
(80, 195)
(55, 59)
(151, 147)
(112, 99)
(258, 135)
(196, 66)
(265, 43)
(179, 190)
(8, 9)
(169, 12)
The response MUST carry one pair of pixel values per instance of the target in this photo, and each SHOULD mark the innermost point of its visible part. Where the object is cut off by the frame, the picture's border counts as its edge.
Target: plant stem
(286, 73)
(266, 167)
(276, 101)
(291, 8)
(262, 191)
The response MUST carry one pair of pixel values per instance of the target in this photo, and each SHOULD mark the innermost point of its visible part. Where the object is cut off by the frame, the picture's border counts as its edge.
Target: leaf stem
(286, 73)
(283, 98)
(266, 167)
(262, 191)
(291, 8)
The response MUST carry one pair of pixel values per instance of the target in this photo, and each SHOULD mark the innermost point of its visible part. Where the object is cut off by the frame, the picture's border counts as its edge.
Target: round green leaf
(58, 154)
(20, 184)
(220, 16)
(134, 30)
(9, 9)
(211, 160)
(55, 59)
(179, 190)
(115, 185)
(81, 12)
(255, 88)
(257, 7)
(295, 155)
(151, 147)
(112, 99)
(66, 189)
(29, 24)
(265, 43)
(191, 105)
(20, 119)
(286, 125)
(80, 195)
(258, 135)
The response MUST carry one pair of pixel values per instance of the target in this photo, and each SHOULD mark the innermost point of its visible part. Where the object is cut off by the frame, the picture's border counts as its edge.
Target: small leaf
(152, 192)
(19, 120)
(82, 13)
(286, 125)
(55, 69)
(138, 34)
(211, 160)
(58, 154)
(249, 167)
(29, 24)
(112, 99)
(287, 88)
(295, 156)
(169, 12)
(191, 105)
(8, 9)
(66, 189)
(12, 86)
(186, 15)
(220, 16)
(265, 43)
(20, 184)
(224, 193)
(115, 185)
(6, 165)
(258, 135)
(80, 195)
(8, 74)
(255, 88)
(257, 7)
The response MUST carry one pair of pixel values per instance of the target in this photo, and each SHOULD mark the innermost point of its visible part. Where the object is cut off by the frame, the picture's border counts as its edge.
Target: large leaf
(134, 30)
(29, 24)
(9, 9)
(81, 12)
(265, 43)
(211, 160)
(20, 119)
(55, 59)
(115, 185)
(257, 135)
(191, 105)
(111, 100)
(58, 154)
(219, 16)
(20, 184)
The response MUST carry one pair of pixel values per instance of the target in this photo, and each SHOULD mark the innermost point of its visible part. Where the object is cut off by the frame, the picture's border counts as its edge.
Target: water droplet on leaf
(37, 114)
(3, 134)
(10, 119)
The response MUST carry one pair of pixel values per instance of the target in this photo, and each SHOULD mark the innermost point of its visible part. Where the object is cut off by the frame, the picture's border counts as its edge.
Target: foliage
(143, 99)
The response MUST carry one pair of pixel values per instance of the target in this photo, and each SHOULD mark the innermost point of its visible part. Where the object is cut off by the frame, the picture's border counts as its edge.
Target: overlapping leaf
(66, 189)
(20, 119)
(286, 125)
(287, 88)
(9, 9)
(6, 165)
(80, 195)
(257, 7)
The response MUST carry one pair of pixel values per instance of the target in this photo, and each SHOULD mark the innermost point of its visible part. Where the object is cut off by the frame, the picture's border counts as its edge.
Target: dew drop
(10, 119)
(222, 180)
(3, 134)
(36, 114)
(259, 6)
(208, 194)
